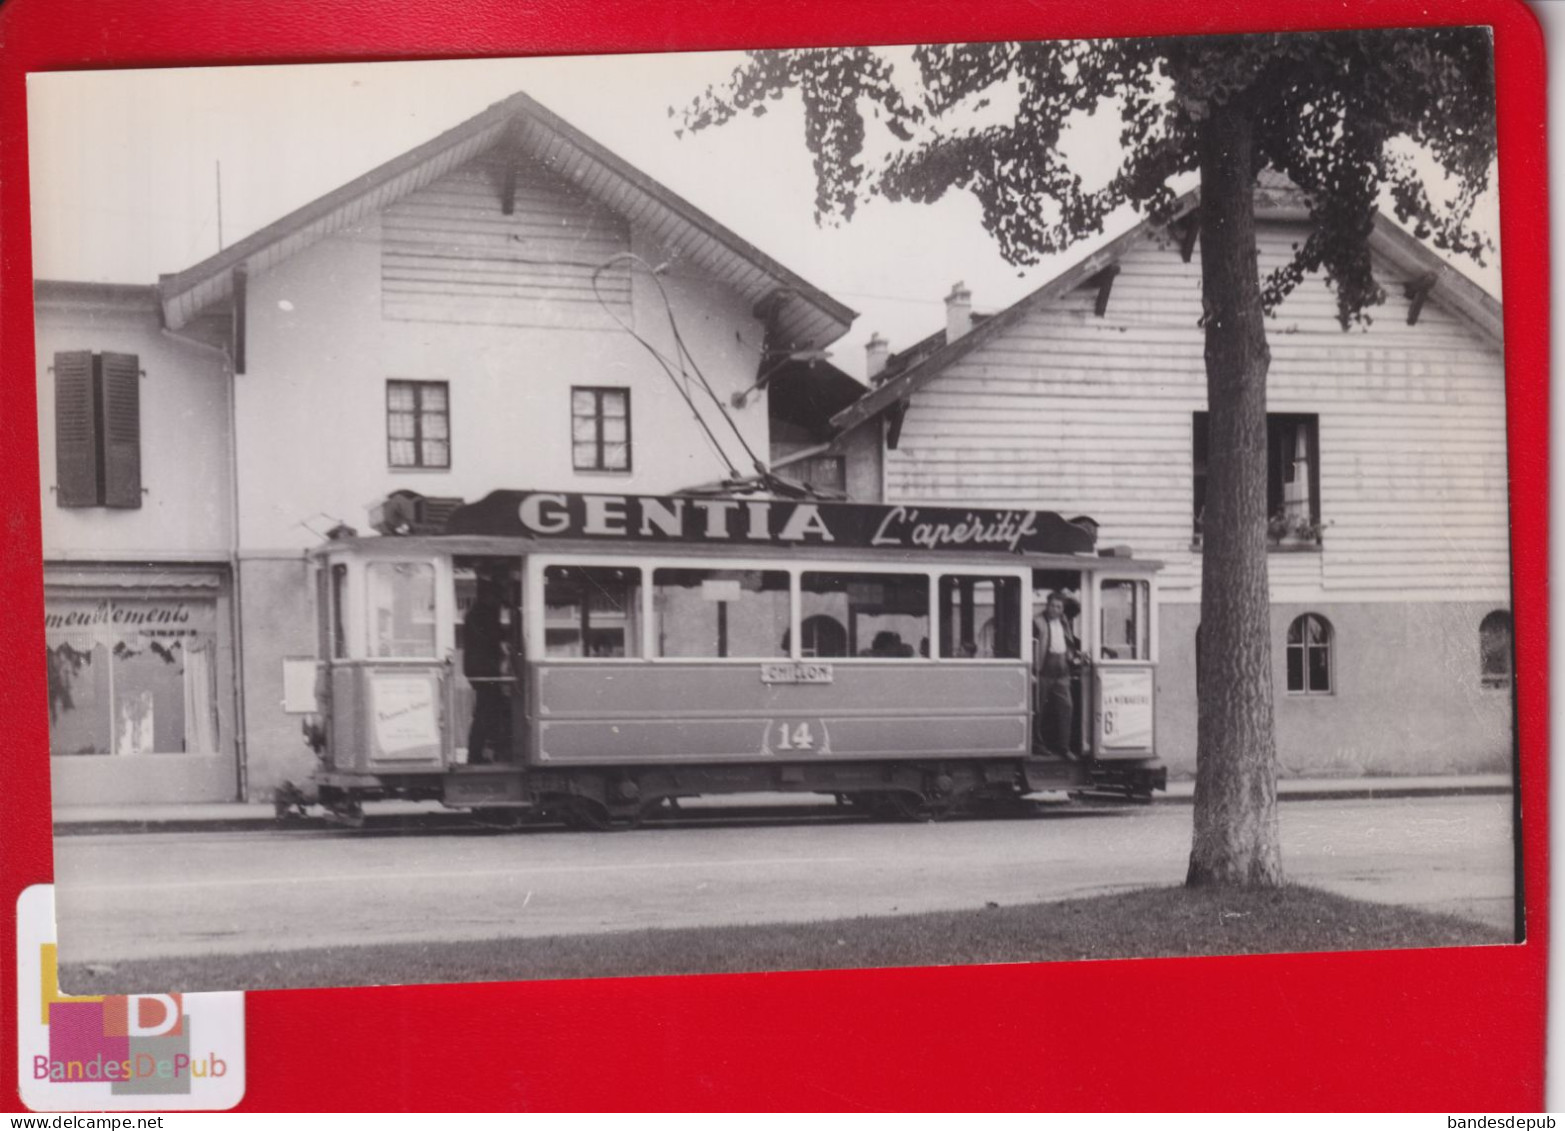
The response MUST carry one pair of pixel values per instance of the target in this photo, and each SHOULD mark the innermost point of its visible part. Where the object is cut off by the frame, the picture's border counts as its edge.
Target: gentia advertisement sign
(778, 522)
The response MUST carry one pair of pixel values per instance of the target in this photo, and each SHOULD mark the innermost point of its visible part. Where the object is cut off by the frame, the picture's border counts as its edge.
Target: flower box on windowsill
(1275, 546)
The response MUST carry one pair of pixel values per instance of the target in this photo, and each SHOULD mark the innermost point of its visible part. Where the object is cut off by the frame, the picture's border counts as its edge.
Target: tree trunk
(1235, 841)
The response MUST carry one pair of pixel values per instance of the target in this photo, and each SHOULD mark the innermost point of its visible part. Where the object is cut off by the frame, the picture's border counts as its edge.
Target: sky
(125, 169)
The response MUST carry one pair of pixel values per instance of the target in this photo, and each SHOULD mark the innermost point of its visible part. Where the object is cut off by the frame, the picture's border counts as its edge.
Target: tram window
(1125, 622)
(402, 609)
(886, 614)
(339, 632)
(822, 635)
(737, 613)
(591, 611)
(322, 613)
(980, 618)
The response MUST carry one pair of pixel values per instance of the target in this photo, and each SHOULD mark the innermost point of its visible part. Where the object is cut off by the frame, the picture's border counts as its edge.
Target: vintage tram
(596, 657)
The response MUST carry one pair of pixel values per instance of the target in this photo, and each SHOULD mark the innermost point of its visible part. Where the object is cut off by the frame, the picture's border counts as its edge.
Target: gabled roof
(1276, 199)
(804, 316)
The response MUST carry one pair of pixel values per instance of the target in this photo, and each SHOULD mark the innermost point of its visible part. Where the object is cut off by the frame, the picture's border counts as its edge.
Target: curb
(1387, 792)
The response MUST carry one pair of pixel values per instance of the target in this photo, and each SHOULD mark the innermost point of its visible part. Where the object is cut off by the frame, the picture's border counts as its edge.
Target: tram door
(487, 709)
(1125, 672)
(1059, 726)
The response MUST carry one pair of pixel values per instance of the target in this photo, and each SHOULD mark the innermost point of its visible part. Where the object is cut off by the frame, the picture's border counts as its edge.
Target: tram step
(483, 785)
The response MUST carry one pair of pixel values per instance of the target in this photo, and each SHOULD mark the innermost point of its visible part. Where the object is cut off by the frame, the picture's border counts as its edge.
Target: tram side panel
(624, 715)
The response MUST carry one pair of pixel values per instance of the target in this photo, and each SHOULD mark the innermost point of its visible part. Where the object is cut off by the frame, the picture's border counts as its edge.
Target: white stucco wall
(185, 510)
(312, 402)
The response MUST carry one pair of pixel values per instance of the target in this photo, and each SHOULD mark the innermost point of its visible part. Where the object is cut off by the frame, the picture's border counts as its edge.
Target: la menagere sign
(648, 518)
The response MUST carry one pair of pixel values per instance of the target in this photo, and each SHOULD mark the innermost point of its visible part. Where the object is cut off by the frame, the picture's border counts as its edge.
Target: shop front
(140, 684)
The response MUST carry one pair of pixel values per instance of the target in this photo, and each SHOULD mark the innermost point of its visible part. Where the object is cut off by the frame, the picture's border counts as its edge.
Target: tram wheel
(901, 805)
(345, 812)
(588, 815)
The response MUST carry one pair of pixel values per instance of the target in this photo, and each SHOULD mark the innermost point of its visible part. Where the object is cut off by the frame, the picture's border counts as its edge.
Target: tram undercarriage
(619, 796)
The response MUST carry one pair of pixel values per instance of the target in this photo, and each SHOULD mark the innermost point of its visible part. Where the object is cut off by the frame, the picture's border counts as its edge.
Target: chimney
(876, 351)
(959, 312)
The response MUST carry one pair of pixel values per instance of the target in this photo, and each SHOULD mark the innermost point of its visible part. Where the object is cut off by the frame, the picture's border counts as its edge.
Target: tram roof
(492, 546)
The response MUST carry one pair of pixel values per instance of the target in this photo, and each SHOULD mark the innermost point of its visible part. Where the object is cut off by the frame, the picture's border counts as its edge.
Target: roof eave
(1400, 247)
(807, 315)
(1454, 290)
(908, 382)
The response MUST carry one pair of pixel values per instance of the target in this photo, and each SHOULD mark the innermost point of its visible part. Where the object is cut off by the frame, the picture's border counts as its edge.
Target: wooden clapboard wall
(450, 253)
(1083, 414)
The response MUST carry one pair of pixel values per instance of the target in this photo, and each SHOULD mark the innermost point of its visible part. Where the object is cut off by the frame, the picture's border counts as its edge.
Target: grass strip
(1148, 923)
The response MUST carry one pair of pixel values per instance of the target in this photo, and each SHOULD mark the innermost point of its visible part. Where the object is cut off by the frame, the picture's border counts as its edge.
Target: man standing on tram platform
(1056, 654)
(483, 660)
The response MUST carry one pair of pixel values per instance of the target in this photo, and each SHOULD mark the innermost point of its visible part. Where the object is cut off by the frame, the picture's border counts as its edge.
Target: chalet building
(1389, 559)
(497, 307)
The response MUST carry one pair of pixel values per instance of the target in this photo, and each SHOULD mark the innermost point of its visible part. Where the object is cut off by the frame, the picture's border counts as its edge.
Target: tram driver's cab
(1112, 681)
(418, 656)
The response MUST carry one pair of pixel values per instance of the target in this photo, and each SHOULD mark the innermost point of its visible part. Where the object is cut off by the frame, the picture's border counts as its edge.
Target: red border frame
(1433, 1030)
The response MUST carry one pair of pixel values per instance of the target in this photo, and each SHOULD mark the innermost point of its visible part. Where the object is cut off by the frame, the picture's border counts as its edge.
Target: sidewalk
(239, 816)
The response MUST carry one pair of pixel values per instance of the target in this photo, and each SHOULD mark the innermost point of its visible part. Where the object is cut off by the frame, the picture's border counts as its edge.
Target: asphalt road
(128, 896)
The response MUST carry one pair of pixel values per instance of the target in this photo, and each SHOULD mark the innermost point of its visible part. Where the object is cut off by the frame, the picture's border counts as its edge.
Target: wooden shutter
(75, 431)
(121, 429)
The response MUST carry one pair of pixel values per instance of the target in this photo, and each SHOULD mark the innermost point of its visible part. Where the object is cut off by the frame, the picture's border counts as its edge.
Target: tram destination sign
(776, 522)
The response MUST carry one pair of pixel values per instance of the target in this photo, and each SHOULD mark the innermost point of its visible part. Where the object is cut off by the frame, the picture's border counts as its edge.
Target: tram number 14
(798, 737)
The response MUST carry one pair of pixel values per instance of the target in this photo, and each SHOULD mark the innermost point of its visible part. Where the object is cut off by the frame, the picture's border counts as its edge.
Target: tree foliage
(1341, 114)
(1351, 118)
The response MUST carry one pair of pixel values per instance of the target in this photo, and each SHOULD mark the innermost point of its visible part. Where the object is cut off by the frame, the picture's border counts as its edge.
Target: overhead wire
(686, 363)
(657, 354)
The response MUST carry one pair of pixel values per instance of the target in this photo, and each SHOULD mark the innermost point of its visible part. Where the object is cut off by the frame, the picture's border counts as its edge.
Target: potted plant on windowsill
(1294, 531)
(1283, 532)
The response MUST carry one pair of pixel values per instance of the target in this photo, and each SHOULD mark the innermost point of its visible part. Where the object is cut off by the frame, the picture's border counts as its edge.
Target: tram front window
(721, 613)
(886, 615)
(591, 611)
(1126, 620)
(402, 609)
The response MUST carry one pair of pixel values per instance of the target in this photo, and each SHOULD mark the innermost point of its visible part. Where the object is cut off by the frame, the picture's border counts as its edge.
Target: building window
(1494, 642)
(1292, 475)
(418, 424)
(1309, 656)
(97, 429)
(132, 675)
(600, 429)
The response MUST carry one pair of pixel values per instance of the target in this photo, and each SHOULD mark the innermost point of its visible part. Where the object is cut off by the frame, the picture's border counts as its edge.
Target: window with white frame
(600, 429)
(418, 424)
(1309, 655)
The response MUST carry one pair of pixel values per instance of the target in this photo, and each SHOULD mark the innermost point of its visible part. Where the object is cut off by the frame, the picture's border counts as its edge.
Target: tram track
(707, 816)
